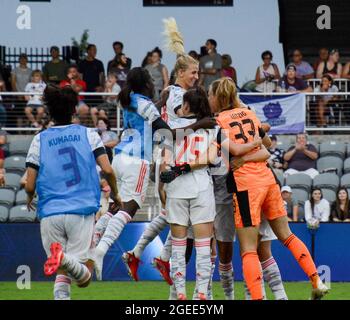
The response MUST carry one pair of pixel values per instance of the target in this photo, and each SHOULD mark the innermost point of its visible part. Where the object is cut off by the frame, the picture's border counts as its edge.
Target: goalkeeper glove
(174, 172)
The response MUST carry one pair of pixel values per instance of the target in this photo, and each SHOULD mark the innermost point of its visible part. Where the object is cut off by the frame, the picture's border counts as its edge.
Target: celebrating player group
(208, 151)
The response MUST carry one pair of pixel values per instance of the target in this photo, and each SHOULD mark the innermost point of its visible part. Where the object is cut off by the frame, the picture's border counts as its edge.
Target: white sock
(226, 279)
(153, 229)
(210, 285)
(203, 265)
(172, 293)
(165, 254)
(100, 228)
(273, 277)
(61, 289)
(79, 271)
(113, 231)
(178, 264)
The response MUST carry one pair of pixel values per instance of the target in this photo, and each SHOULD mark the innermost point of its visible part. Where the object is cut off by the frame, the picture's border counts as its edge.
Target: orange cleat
(164, 269)
(54, 261)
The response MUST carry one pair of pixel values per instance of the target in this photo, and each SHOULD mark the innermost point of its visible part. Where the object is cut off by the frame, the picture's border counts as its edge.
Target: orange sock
(252, 274)
(303, 257)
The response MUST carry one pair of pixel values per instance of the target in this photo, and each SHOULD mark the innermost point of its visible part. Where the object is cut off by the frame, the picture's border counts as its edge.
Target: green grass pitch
(153, 290)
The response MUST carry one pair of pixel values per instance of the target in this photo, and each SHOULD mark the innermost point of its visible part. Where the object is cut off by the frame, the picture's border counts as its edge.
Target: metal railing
(337, 115)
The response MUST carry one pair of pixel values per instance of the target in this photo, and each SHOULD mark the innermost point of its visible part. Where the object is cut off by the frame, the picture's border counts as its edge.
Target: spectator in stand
(54, 71)
(108, 137)
(276, 160)
(316, 209)
(92, 71)
(109, 107)
(332, 67)
(324, 102)
(35, 102)
(292, 206)
(73, 80)
(227, 69)
(323, 55)
(291, 83)
(158, 72)
(302, 157)
(303, 68)
(146, 60)
(210, 65)
(118, 50)
(340, 209)
(194, 55)
(119, 67)
(21, 75)
(266, 73)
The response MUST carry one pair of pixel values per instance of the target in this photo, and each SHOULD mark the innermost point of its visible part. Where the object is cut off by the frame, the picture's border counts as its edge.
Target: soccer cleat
(54, 261)
(97, 258)
(320, 291)
(164, 269)
(181, 296)
(132, 264)
(201, 296)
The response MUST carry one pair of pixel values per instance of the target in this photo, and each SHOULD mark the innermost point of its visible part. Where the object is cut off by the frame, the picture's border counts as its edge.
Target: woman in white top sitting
(316, 209)
(266, 73)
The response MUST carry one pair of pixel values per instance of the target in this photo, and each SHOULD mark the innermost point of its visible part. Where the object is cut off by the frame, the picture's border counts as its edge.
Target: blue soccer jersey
(67, 181)
(136, 140)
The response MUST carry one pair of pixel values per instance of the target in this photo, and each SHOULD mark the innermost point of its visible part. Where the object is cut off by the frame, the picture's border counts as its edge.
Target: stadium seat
(329, 195)
(7, 196)
(330, 163)
(347, 166)
(280, 177)
(21, 197)
(300, 181)
(333, 148)
(4, 214)
(345, 181)
(15, 164)
(12, 180)
(315, 144)
(20, 146)
(21, 214)
(301, 195)
(327, 181)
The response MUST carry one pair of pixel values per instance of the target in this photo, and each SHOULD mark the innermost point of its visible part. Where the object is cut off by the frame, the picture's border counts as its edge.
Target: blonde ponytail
(175, 43)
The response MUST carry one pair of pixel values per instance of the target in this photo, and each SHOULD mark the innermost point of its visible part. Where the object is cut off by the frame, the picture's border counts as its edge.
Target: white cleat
(97, 257)
(319, 292)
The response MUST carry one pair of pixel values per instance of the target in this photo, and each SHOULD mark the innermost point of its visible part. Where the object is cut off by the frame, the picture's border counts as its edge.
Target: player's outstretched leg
(131, 258)
(100, 228)
(301, 254)
(78, 271)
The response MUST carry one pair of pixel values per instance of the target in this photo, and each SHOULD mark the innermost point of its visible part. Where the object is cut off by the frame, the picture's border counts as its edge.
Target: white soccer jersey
(187, 150)
(173, 103)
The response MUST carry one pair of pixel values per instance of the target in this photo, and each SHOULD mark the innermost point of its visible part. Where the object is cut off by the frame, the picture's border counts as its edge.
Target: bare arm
(295, 213)
(30, 186)
(311, 154)
(258, 79)
(289, 154)
(3, 140)
(345, 73)
(165, 77)
(319, 71)
(13, 82)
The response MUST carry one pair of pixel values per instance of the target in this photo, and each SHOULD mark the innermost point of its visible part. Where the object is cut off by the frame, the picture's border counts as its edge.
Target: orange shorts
(250, 203)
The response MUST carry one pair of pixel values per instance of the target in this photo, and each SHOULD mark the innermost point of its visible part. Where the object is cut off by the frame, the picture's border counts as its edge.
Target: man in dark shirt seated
(302, 157)
(290, 83)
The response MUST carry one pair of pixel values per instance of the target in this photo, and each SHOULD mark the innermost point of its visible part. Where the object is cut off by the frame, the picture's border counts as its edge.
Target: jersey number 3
(73, 165)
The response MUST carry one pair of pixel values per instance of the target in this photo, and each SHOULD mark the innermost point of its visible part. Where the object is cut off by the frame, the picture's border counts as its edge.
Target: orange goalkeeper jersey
(241, 126)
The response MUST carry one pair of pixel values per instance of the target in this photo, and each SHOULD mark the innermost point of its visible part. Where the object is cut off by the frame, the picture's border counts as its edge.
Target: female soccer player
(256, 190)
(61, 166)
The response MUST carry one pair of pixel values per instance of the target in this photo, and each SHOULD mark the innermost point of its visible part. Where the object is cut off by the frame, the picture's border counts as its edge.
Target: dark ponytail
(198, 102)
(61, 103)
(137, 81)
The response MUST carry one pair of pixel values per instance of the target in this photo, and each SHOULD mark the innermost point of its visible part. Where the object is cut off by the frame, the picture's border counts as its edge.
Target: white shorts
(224, 225)
(265, 231)
(132, 177)
(74, 232)
(186, 212)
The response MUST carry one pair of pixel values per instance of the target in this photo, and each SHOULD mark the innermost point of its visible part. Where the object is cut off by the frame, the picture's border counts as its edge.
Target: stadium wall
(20, 244)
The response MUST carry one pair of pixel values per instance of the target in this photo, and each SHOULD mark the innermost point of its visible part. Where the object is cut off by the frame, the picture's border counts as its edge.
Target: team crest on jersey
(272, 112)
